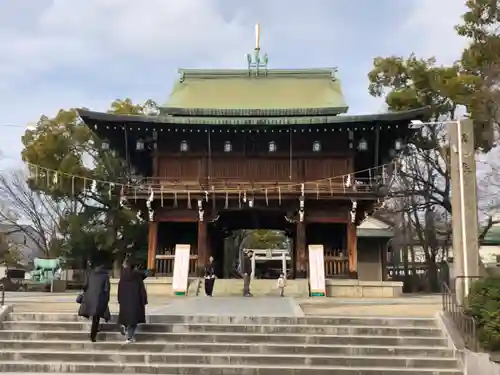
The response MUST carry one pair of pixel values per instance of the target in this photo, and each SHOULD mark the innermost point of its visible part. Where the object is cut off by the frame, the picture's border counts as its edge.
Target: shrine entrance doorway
(236, 230)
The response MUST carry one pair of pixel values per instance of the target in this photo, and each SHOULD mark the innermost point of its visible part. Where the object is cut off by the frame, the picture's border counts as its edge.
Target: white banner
(317, 271)
(181, 269)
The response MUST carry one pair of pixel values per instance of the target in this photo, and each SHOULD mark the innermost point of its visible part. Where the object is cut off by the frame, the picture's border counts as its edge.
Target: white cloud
(431, 26)
(87, 52)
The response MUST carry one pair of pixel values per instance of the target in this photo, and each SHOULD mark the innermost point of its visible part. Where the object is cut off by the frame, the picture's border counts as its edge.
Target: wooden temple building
(256, 148)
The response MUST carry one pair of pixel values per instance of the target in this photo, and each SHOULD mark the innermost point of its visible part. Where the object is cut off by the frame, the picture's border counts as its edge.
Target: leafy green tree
(66, 145)
(481, 58)
(265, 239)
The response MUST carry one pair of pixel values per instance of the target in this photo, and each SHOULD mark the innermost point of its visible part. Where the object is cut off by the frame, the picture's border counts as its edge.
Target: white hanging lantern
(316, 146)
(184, 147)
(228, 147)
(139, 145)
(105, 145)
(398, 144)
(362, 145)
(272, 146)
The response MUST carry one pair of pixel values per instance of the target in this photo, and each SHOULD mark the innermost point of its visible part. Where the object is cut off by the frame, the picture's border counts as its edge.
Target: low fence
(336, 266)
(165, 265)
(466, 324)
(417, 277)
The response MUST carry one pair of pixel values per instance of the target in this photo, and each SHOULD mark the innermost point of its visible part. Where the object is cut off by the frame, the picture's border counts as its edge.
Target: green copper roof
(277, 90)
(364, 122)
(379, 233)
(492, 237)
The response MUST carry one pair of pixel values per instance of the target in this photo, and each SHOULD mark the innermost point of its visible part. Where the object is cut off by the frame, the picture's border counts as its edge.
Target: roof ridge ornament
(255, 61)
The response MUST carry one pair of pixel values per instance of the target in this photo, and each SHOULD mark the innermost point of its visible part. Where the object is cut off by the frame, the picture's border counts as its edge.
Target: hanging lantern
(362, 145)
(228, 147)
(139, 145)
(316, 146)
(184, 147)
(398, 144)
(105, 145)
(272, 146)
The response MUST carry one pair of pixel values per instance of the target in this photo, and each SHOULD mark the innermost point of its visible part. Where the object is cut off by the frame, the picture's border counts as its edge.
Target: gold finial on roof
(257, 36)
(257, 62)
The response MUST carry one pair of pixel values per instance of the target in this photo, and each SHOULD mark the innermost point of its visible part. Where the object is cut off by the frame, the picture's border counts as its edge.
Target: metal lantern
(105, 145)
(316, 146)
(139, 145)
(398, 144)
(184, 146)
(362, 145)
(272, 146)
(228, 147)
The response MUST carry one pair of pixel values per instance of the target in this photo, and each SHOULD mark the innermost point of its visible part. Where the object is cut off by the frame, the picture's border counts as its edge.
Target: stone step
(236, 328)
(217, 319)
(200, 348)
(197, 369)
(196, 337)
(226, 359)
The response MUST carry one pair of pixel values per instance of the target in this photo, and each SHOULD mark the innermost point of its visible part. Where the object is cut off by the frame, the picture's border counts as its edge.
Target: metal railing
(465, 323)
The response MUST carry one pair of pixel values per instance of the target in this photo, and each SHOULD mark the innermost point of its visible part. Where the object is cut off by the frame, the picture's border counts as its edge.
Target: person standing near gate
(246, 270)
(209, 274)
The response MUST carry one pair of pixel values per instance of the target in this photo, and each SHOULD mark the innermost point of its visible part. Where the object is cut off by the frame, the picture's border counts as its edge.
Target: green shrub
(483, 304)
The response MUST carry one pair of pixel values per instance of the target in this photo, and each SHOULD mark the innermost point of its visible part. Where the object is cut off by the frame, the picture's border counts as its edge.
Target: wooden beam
(352, 248)
(326, 220)
(202, 246)
(152, 244)
(300, 251)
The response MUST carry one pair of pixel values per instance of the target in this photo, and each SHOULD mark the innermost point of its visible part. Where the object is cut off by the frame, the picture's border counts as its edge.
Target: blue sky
(60, 53)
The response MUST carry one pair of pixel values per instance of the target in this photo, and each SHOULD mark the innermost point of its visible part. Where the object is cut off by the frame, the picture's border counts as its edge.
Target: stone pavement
(231, 306)
(410, 306)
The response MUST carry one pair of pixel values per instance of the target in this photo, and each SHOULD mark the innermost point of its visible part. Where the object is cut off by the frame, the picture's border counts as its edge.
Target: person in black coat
(132, 298)
(95, 300)
(209, 274)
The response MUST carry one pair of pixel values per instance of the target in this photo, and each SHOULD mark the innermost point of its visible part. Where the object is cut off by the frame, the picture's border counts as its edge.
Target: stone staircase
(209, 345)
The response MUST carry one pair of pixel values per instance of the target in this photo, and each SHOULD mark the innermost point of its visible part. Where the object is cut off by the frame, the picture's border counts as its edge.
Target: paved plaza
(411, 305)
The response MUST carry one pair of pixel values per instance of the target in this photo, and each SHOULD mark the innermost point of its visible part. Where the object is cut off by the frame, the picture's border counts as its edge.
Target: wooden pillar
(300, 251)
(202, 246)
(152, 244)
(352, 249)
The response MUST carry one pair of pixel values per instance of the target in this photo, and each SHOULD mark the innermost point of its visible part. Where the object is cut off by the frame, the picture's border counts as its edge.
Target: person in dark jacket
(209, 274)
(95, 300)
(246, 270)
(132, 298)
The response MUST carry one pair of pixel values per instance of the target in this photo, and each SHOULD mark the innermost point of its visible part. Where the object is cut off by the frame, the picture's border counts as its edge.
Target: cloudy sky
(60, 53)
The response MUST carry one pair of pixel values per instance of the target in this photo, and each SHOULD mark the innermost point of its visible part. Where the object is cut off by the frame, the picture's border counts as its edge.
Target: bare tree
(34, 214)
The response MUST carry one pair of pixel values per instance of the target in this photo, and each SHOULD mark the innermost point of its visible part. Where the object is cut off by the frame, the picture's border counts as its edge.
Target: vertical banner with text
(181, 269)
(317, 271)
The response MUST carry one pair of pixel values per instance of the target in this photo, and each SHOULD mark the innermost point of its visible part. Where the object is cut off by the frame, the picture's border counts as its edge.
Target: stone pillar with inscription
(464, 206)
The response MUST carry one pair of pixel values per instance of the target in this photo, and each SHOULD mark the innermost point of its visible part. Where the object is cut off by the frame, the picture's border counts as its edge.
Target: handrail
(465, 323)
(2, 295)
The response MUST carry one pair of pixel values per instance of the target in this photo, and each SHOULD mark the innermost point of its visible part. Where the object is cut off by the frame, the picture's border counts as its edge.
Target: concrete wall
(479, 364)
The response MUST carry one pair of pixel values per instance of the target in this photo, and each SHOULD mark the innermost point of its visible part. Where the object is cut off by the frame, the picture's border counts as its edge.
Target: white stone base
(359, 289)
